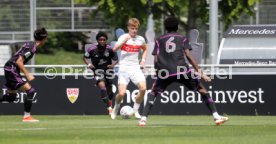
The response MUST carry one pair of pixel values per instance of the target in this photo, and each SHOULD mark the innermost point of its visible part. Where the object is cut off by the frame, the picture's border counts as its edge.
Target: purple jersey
(27, 51)
(169, 50)
(12, 72)
(101, 59)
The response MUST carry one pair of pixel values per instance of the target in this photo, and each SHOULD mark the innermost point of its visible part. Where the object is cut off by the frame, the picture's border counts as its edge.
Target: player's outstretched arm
(20, 64)
(192, 61)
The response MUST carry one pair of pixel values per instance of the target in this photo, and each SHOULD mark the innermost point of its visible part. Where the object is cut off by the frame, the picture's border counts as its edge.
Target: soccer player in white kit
(129, 66)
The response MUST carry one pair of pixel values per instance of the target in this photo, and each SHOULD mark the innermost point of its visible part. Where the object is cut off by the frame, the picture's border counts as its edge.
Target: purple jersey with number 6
(169, 51)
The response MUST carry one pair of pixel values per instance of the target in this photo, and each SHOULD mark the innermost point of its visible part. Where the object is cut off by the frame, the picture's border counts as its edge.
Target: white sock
(117, 106)
(27, 114)
(216, 115)
(144, 118)
(136, 106)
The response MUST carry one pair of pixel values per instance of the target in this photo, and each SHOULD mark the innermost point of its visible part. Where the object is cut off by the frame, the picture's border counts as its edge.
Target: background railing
(218, 69)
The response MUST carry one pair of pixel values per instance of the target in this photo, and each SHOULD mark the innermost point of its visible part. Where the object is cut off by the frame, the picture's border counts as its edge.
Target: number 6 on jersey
(170, 46)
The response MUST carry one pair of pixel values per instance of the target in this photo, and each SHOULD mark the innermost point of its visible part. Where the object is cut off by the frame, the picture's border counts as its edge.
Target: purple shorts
(13, 78)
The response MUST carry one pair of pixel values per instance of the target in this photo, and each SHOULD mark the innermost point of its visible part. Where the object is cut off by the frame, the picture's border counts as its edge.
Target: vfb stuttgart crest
(72, 94)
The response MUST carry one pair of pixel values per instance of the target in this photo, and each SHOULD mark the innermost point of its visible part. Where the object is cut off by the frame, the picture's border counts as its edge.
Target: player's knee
(142, 86)
(151, 97)
(202, 90)
(121, 94)
(101, 84)
(103, 90)
(30, 94)
(11, 97)
(155, 93)
(142, 89)
(207, 99)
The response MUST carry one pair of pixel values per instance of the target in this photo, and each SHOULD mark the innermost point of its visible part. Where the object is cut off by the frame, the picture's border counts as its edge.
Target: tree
(64, 40)
(231, 10)
(190, 13)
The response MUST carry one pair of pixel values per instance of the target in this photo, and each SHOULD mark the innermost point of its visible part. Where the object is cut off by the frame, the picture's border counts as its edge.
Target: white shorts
(134, 74)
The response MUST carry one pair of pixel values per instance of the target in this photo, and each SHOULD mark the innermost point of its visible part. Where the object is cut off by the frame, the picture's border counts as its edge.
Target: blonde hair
(133, 22)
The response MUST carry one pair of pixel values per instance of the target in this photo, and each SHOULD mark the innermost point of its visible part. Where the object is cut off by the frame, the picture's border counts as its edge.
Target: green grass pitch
(159, 130)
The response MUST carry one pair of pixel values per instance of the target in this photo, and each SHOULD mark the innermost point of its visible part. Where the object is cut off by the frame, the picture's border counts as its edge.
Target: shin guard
(209, 103)
(28, 100)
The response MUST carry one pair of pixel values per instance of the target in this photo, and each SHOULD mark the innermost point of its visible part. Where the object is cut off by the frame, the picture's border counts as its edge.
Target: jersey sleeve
(86, 55)
(121, 39)
(143, 40)
(27, 54)
(156, 48)
(26, 51)
(88, 52)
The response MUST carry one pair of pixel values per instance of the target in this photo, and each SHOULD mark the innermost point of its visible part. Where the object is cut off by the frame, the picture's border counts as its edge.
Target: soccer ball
(126, 112)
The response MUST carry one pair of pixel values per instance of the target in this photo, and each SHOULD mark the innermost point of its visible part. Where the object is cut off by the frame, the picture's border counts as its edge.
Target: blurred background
(74, 23)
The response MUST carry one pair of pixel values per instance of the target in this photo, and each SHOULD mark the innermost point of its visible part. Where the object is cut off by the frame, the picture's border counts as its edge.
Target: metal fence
(265, 13)
(19, 18)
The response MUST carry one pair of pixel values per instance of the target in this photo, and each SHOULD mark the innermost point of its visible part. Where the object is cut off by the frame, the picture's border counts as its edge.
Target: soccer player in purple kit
(101, 56)
(15, 81)
(169, 52)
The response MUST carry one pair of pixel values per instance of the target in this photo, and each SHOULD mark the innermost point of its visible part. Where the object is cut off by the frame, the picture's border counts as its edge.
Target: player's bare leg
(139, 98)
(28, 100)
(211, 105)
(118, 100)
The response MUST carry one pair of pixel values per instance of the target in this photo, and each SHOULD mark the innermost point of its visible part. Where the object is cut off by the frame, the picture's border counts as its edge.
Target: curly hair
(101, 34)
(171, 24)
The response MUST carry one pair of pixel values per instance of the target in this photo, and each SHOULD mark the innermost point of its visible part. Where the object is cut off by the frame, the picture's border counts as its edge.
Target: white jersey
(130, 50)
